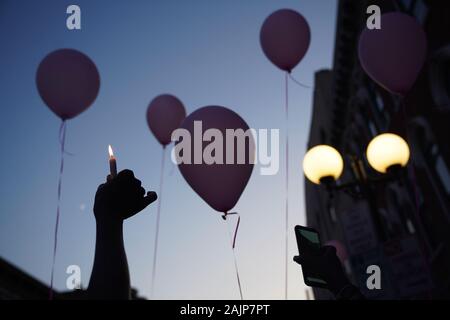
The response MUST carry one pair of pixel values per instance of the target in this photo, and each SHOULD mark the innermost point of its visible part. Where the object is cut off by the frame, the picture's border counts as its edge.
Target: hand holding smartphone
(308, 242)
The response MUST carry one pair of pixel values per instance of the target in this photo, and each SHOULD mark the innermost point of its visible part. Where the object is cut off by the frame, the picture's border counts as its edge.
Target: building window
(416, 8)
(439, 78)
(379, 110)
(443, 173)
(373, 128)
(440, 167)
(406, 4)
(332, 212)
(410, 226)
(379, 102)
(420, 11)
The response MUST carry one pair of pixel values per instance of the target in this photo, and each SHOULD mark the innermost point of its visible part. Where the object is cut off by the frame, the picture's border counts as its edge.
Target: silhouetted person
(327, 265)
(116, 200)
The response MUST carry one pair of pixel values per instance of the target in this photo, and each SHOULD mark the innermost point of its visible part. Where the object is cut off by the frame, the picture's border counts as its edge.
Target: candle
(112, 162)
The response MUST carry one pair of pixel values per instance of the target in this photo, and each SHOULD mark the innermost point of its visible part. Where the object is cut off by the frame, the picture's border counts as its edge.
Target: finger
(151, 196)
(125, 174)
(143, 202)
(298, 259)
(141, 192)
(134, 192)
(101, 186)
(148, 199)
(134, 182)
(108, 178)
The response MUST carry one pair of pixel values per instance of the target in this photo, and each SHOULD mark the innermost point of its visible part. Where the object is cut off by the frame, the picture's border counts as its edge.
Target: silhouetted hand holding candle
(121, 197)
(116, 200)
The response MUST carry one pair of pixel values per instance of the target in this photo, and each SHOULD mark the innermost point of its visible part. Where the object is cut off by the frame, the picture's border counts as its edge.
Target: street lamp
(387, 150)
(322, 162)
(387, 153)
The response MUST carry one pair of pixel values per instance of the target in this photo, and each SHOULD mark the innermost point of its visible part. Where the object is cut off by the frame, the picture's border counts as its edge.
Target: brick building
(349, 109)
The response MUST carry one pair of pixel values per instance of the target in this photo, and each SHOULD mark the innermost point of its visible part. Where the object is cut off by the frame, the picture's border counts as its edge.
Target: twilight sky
(204, 52)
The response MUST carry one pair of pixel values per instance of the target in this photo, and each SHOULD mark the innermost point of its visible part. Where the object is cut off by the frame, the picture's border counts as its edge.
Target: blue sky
(205, 53)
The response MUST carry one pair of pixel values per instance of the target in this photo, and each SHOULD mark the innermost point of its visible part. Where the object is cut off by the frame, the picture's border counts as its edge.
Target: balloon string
(298, 82)
(62, 140)
(412, 176)
(233, 244)
(236, 231)
(62, 132)
(286, 186)
(158, 214)
(172, 168)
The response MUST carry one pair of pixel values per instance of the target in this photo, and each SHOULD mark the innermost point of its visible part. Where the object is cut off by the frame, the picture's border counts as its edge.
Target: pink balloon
(68, 82)
(219, 185)
(394, 55)
(285, 38)
(341, 250)
(165, 114)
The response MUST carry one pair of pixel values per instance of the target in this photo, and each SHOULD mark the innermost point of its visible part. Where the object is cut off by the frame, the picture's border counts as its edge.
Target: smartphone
(308, 241)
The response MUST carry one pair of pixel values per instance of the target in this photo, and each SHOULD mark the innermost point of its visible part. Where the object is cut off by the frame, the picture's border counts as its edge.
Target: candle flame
(110, 150)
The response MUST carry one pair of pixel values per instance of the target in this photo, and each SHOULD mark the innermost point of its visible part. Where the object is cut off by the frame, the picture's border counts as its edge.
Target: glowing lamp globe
(387, 150)
(322, 161)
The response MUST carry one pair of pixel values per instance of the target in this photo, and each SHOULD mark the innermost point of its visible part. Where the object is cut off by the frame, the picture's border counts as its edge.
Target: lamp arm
(388, 177)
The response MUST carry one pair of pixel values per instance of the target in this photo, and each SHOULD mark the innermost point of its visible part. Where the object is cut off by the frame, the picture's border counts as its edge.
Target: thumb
(298, 259)
(148, 199)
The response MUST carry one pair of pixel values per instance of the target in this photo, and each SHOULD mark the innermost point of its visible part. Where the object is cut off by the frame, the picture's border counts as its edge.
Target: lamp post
(387, 154)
